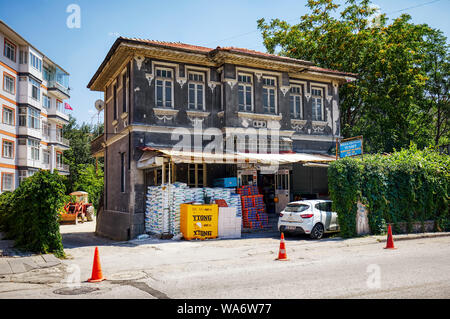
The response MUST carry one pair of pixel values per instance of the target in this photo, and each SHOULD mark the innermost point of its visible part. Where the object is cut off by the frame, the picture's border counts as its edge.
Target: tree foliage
(83, 174)
(30, 214)
(402, 68)
(407, 186)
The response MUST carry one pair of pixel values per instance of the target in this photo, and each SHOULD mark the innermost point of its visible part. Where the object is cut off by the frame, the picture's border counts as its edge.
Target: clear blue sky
(202, 22)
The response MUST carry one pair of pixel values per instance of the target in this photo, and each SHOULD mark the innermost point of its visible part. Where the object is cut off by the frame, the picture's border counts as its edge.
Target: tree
(392, 62)
(83, 176)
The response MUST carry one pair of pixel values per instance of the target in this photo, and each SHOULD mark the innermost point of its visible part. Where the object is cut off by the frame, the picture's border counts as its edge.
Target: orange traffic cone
(282, 252)
(97, 275)
(390, 240)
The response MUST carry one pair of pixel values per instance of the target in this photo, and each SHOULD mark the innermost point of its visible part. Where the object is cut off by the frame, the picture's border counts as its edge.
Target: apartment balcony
(58, 90)
(58, 115)
(97, 149)
(60, 142)
(62, 168)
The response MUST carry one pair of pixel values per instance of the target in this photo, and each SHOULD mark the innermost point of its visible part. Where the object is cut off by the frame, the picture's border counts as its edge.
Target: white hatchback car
(313, 217)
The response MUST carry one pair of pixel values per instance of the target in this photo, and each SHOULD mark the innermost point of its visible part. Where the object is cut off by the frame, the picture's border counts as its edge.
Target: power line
(289, 20)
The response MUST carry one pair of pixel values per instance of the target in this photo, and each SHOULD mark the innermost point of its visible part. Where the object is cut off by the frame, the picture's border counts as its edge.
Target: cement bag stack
(235, 201)
(198, 195)
(154, 210)
(177, 197)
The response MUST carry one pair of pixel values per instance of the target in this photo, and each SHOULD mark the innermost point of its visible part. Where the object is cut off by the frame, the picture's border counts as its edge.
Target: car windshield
(296, 208)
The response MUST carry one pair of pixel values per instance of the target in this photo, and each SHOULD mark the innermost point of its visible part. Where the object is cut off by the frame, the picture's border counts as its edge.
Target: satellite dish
(99, 105)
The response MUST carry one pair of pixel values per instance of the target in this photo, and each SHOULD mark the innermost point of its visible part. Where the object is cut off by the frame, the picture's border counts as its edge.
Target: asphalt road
(243, 268)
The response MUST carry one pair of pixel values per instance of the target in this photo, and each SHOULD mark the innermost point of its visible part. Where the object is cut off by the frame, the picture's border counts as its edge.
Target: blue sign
(350, 148)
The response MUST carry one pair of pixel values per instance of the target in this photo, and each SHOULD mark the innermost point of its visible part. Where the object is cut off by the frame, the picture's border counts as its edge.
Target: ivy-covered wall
(407, 186)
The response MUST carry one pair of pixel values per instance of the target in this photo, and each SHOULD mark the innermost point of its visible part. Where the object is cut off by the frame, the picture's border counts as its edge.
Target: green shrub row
(407, 186)
(30, 214)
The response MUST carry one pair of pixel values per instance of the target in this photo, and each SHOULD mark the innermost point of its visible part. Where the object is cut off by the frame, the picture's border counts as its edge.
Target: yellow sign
(199, 221)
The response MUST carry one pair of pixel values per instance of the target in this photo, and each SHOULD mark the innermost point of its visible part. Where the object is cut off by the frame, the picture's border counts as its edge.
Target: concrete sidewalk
(17, 265)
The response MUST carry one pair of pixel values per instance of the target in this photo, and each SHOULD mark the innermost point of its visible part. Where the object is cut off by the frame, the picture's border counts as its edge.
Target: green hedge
(29, 215)
(407, 186)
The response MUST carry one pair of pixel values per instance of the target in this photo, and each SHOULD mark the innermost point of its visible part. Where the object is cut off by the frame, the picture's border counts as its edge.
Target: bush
(30, 215)
(407, 186)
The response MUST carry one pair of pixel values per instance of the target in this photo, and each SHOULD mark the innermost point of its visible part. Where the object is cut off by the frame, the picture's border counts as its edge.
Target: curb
(401, 237)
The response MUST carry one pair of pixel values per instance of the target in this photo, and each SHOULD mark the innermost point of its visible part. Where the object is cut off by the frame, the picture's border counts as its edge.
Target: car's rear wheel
(317, 231)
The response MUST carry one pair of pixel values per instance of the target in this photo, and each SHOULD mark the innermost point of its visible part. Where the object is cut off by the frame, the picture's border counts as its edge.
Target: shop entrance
(276, 190)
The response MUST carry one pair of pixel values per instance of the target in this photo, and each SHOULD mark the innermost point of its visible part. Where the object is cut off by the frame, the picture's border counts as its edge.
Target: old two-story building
(158, 95)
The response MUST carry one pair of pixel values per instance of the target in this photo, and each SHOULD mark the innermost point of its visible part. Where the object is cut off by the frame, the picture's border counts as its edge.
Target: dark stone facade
(132, 121)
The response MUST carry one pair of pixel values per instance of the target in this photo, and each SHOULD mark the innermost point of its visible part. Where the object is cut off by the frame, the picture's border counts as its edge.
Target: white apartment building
(32, 94)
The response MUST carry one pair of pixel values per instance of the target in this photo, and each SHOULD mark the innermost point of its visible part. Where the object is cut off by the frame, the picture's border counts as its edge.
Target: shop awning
(226, 158)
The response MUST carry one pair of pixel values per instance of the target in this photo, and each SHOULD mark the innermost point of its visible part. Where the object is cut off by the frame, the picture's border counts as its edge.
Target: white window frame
(37, 85)
(164, 80)
(245, 85)
(297, 96)
(34, 148)
(34, 119)
(314, 99)
(7, 115)
(45, 98)
(9, 80)
(7, 45)
(268, 88)
(197, 84)
(45, 156)
(7, 151)
(35, 62)
(11, 176)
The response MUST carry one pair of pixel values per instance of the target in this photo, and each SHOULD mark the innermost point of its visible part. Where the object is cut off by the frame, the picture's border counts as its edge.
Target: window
(196, 91)
(122, 172)
(33, 146)
(33, 118)
(46, 157)
(22, 116)
(124, 92)
(296, 208)
(47, 74)
(7, 149)
(8, 116)
(9, 50)
(22, 175)
(115, 100)
(317, 104)
(59, 106)
(324, 207)
(45, 130)
(35, 89)
(45, 101)
(245, 92)
(59, 159)
(9, 83)
(295, 101)
(197, 175)
(35, 62)
(269, 97)
(164, 85)
(7, 181)
(23, 57)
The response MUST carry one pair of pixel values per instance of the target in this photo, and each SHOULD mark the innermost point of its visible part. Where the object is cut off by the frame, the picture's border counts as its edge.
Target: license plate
(290, 227)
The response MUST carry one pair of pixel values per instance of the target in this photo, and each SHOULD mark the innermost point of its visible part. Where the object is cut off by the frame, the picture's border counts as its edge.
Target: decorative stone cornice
(260, 116)
(165, 111)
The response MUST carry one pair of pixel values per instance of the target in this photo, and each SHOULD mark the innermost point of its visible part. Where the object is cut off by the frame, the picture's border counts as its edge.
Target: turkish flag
(67, 106)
